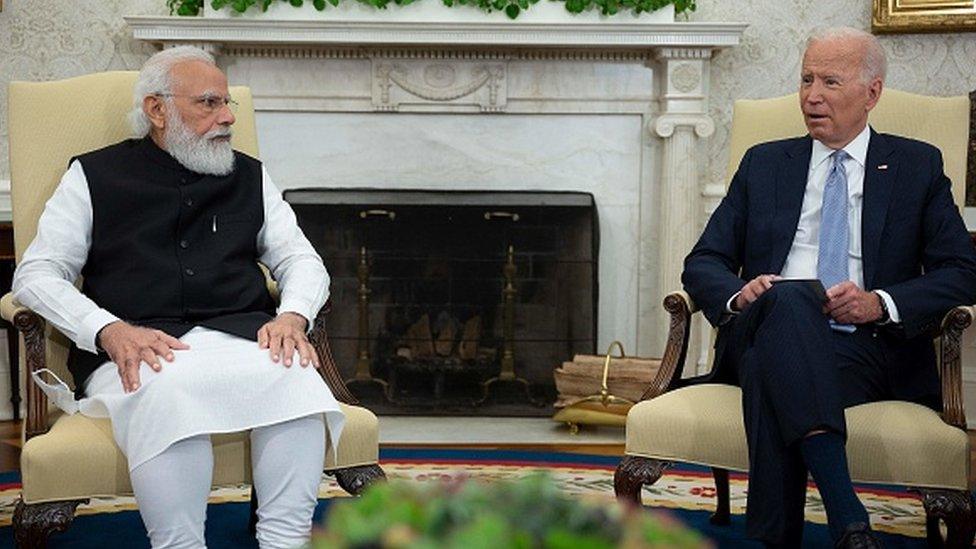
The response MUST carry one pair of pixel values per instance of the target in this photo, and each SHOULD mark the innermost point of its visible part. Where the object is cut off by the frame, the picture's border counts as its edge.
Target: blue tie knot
(839, 157)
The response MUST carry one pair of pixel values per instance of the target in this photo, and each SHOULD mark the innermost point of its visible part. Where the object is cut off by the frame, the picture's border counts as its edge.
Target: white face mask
(60, 394)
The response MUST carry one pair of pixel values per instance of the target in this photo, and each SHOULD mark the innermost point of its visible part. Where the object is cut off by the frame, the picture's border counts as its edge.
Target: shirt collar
(857, 149)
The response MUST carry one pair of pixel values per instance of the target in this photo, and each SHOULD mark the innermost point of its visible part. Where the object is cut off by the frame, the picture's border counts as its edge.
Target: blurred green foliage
(528, 514)
(512, 8)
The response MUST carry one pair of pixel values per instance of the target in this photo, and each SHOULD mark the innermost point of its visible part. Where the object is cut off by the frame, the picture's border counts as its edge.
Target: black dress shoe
(858, 536)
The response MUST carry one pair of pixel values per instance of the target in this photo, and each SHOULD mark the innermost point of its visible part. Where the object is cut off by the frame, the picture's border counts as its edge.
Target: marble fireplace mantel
(618, 109)
(607, 36)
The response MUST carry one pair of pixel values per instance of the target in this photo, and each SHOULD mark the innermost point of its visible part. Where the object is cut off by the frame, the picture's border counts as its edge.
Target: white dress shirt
(44, 280)
(801, 262)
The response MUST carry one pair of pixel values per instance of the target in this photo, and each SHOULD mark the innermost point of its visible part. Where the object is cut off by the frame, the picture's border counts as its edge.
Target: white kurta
(223, 383)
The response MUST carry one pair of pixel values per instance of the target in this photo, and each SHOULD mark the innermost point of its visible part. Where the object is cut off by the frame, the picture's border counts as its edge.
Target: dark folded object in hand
(813, 283)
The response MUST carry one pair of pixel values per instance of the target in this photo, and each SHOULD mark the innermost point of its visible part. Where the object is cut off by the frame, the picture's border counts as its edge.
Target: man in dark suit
(871, 216)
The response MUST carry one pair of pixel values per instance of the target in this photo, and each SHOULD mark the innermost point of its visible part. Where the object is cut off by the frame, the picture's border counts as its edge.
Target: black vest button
(188, 201)
(189, 272)
(184, 244)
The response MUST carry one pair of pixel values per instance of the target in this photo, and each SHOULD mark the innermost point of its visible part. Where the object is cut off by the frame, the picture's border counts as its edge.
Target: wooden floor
(10, 448)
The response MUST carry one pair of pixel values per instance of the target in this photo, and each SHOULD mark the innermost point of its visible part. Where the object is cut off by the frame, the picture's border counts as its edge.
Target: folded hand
(283, 335)
(128, 346)
(848, 304)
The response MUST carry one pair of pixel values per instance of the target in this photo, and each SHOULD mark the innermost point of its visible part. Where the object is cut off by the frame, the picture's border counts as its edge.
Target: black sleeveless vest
(172, 249)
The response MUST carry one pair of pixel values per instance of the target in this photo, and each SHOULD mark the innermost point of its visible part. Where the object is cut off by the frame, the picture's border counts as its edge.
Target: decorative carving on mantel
(683, 53)
(278, 51)
(418, 82)
(685, 77)
(663, 126)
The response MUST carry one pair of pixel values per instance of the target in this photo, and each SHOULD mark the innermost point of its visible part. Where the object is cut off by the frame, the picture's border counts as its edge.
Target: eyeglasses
(207, 102)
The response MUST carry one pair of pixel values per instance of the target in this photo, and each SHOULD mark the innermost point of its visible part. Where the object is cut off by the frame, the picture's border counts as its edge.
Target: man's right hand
(129, 345)
(753, 289)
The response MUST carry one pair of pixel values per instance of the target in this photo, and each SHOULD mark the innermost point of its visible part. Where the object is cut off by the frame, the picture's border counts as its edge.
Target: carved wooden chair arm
(31, 326)
(9, 307)
(950, 364)
(680, 306)
(328, 369)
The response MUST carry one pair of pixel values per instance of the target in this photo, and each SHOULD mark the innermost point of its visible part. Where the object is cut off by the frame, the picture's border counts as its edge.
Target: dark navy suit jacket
(914, 246)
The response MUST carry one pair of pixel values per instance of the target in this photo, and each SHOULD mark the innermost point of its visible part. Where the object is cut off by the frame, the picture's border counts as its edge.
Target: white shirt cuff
(728, 304)
(90, 326)
(893, 316)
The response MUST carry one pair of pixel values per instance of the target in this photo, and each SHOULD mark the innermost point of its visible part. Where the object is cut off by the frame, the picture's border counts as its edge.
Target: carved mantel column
(682, 122)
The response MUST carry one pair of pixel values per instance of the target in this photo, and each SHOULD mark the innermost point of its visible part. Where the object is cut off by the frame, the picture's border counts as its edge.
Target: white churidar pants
(172, 488)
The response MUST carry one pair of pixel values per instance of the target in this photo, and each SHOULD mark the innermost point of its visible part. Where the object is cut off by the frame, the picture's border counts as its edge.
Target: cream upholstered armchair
(68, 459)
(897, 443)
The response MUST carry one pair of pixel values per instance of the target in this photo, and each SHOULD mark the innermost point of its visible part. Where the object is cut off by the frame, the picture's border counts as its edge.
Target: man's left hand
(284, 335)
(848, 304)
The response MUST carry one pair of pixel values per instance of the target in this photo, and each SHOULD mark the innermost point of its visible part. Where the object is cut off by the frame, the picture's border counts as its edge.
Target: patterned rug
(687, 491)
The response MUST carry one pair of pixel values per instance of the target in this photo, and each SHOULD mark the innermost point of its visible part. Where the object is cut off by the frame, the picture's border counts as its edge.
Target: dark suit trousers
(797, 375)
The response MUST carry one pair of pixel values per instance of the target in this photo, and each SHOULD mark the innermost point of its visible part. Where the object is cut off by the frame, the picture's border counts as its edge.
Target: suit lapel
(880, 171)
(790, 185)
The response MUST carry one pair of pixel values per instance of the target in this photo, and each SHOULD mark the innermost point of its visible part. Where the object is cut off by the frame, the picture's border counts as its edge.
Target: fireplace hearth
(455, 302)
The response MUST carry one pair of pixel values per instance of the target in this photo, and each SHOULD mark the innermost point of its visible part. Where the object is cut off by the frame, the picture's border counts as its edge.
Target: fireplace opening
(455, 302)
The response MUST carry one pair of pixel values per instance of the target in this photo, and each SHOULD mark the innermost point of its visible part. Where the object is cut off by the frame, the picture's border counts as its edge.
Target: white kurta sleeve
(44, 279)
(302, 279)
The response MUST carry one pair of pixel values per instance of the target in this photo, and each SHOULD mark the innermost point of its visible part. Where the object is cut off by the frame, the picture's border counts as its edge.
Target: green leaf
(574, 6)
(319, 4)
(296, 3)
(512, 11)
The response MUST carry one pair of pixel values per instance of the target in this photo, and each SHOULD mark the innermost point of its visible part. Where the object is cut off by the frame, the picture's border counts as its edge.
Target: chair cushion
(888, 442)
(78, 457)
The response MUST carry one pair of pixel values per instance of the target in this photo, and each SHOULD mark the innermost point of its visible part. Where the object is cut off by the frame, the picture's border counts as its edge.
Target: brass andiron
(507, 373)
(363, 359)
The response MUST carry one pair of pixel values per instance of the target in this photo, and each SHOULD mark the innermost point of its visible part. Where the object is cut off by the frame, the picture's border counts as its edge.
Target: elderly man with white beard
(175, 334)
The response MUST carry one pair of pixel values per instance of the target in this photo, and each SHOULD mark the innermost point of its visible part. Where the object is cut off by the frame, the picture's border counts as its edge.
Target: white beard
(198, 153)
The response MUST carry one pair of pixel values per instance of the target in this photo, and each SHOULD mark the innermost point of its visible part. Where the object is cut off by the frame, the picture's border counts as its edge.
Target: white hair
(155, 78)
(874, 63)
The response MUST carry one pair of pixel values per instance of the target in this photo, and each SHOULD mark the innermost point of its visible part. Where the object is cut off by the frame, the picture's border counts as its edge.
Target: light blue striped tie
(832, 257)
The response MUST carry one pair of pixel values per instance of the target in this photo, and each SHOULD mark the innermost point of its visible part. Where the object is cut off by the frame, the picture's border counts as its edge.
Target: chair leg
(633, 473)
(34, 523)
(957, 509)
(721, 515)
(356, 479)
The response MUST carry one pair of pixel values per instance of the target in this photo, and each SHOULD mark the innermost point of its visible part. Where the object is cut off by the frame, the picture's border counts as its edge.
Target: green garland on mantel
(512, 8)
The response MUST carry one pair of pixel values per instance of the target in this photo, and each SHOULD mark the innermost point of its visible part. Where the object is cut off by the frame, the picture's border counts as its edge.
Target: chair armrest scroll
(9, 307)
(31, 326)
(328, 368)
(950, 364)
(679, 305)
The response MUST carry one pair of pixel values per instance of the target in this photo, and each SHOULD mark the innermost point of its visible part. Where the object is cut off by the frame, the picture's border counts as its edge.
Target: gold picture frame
(904, 16)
